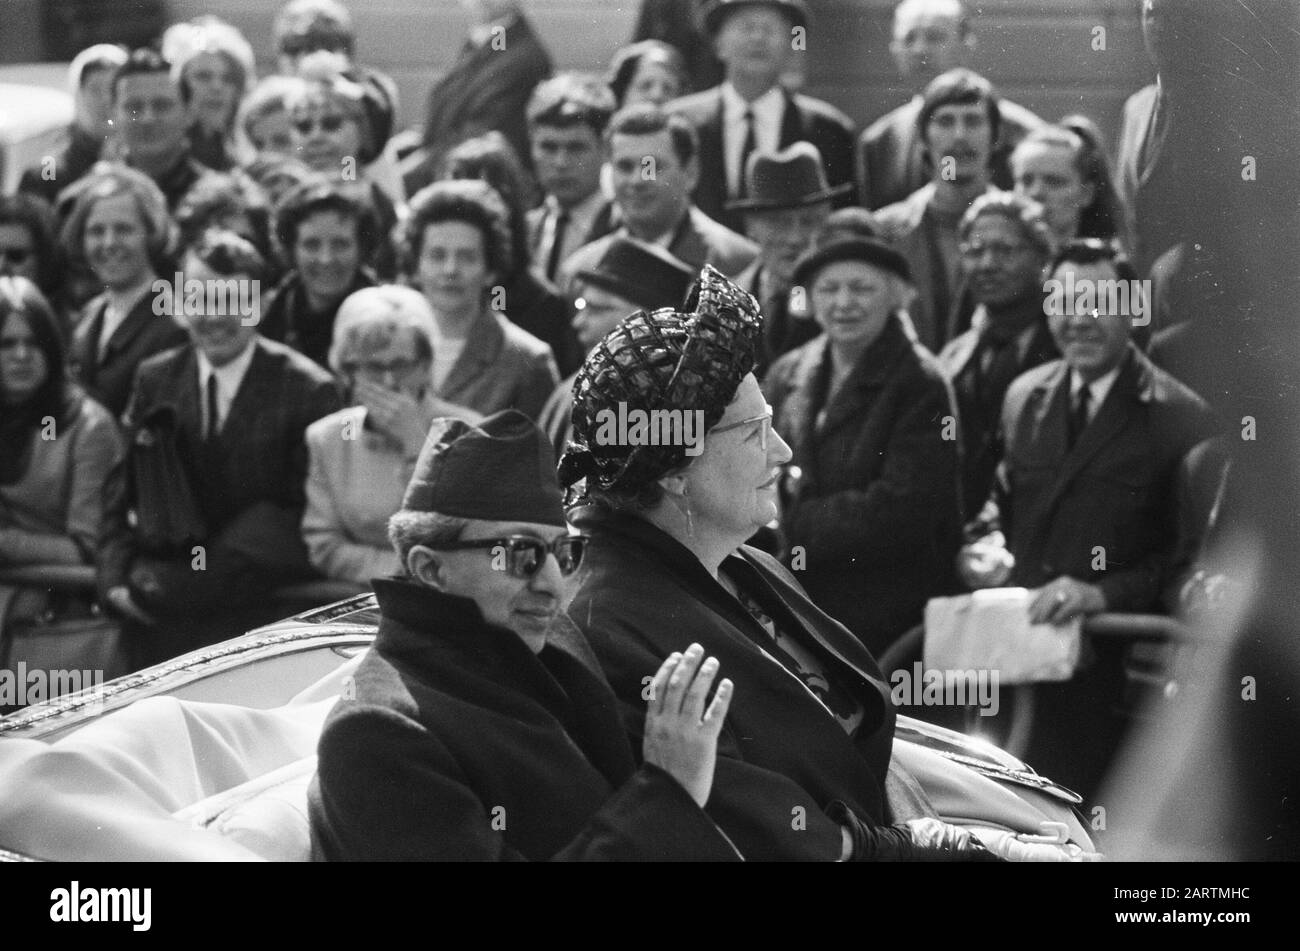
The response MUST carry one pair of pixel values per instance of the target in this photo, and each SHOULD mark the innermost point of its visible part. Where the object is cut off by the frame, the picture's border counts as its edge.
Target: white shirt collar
(229, 378)
(118, 306)
(1098, 389)
(768, 109)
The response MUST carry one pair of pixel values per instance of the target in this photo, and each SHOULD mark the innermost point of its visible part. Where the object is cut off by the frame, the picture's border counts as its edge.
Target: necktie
(1078, 416)
(745, 149)
(557, 244)
(214, 420)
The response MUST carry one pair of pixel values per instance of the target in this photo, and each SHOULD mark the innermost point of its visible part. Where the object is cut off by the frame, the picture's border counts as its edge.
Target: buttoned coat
(874, 522)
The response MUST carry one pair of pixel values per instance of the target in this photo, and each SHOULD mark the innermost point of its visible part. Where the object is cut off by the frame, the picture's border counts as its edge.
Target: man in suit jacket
(486, 88)
(481, 728)
(958, 122)
(240, 405)
(567, 117)
(930, 38)
(655, 165)
(1085, 496)
(750, 110)
(1006, 243)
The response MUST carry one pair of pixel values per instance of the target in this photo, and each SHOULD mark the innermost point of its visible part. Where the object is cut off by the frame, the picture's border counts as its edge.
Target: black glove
(918, 840)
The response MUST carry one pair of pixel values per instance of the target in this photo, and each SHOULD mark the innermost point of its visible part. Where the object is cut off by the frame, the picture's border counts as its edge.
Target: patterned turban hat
(661, 360)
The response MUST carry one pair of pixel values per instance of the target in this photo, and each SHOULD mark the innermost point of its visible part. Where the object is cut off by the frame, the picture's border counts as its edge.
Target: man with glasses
(480, 727)
(1005, 243)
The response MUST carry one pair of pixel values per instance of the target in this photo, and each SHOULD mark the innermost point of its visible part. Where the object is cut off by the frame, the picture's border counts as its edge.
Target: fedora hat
(790, 178)
(641, 275)
(718, 10)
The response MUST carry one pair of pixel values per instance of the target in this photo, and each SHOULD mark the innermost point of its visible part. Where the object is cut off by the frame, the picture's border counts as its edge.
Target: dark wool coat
(875, 518)
(461, 743)
(782, 757)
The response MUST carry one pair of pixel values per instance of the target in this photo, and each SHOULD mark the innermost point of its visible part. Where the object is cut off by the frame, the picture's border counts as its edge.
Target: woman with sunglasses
(339, 129)
(801, 767)
(361, 457)
(479, 727)
(871, 521)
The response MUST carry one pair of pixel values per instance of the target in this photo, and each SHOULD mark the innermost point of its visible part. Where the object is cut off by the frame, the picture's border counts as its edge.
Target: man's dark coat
(782, 757)
(805, 119)
(461, 743)
(1110, 500)
(486, 89)
(875, 517)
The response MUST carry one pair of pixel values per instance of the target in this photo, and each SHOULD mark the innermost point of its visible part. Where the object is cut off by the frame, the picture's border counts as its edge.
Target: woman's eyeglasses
(327, 123)
(377, 368)
(16, 255)
(765, 418)
(525, 555)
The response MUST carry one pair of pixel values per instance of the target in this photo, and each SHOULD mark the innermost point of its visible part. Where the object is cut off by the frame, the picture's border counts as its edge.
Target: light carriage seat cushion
(109, 791)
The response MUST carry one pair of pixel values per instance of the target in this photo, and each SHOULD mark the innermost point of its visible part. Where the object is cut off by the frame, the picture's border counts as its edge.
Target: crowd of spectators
(915, 365)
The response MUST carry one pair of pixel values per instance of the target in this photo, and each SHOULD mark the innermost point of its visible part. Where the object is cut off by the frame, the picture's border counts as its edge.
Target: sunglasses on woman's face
(525, 555)
(328, 123)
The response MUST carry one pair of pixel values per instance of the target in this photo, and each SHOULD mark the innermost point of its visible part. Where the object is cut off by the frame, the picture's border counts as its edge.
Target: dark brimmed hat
(502, 470)
(850, 249)
(644, 276)
(791, 178)
(718, 10)
(663, 360)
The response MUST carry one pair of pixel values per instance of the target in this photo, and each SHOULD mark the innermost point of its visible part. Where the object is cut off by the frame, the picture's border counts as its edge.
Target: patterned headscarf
(662, 360)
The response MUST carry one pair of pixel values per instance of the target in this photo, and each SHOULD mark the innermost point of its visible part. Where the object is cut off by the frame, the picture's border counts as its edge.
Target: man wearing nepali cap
(477, 729)
(629, 276)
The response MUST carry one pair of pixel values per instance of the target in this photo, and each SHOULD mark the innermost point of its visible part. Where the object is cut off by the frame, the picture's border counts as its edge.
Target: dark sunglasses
(16, 255)
(526, 555)
(327, 123)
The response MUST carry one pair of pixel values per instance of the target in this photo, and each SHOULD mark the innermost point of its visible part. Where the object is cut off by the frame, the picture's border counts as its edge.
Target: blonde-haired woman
(362, 457)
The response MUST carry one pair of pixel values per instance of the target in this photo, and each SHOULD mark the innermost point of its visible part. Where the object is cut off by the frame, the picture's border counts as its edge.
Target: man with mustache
(959, 123)
(930, 37)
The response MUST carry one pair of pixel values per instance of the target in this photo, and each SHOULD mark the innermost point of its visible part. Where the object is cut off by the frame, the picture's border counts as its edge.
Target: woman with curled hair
(120, 232)
(338, 131)
(58, 448)
(326, 232)
(214, 64)
(457, 247)
(534, 303)
(811, 725)
(1063, 168)
(647, 72)
(361, 458)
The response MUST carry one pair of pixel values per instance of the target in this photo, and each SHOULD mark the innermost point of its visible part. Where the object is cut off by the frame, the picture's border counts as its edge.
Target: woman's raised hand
(681, 736)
